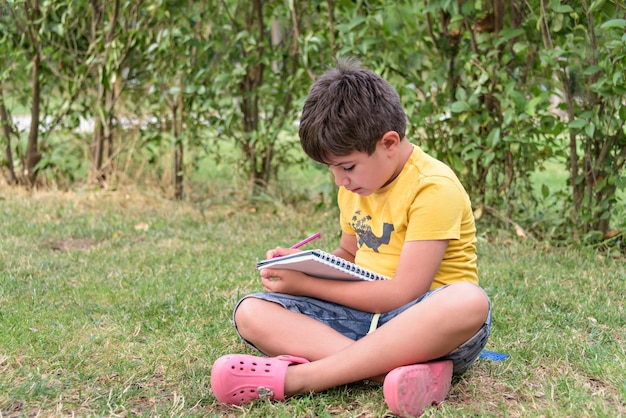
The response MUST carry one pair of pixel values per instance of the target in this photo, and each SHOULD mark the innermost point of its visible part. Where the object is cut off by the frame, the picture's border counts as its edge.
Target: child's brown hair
(349, 109)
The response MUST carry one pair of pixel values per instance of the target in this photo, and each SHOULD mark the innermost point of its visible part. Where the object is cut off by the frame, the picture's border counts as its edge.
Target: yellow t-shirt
(425, 202)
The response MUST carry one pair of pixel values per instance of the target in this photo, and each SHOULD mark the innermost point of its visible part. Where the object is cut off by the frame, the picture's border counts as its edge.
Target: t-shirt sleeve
(437, 211)
(345, 224)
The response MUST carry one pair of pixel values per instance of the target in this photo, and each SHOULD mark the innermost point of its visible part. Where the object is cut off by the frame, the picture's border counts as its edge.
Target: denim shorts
(355, 324)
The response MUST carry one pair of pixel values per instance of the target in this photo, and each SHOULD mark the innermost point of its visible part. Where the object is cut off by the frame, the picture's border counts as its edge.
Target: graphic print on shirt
(363, 230)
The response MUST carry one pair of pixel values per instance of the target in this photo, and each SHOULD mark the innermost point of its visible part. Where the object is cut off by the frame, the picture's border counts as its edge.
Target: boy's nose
(343, 182)
(340, 179)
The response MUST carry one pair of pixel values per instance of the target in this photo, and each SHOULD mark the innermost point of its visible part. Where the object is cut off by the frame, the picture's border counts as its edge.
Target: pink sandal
(411, 389)
(240, 378)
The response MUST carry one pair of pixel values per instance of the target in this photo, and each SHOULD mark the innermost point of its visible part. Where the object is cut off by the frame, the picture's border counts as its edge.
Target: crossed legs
(426, 331)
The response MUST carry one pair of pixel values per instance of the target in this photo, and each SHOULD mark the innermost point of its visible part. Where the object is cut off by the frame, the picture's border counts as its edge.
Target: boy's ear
(390, 140)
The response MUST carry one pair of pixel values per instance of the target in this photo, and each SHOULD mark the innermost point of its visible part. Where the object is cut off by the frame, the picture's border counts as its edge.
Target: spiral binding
(348, 267)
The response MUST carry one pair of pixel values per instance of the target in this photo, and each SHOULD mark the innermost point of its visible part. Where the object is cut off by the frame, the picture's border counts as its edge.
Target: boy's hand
(279, 252)
(285, 281)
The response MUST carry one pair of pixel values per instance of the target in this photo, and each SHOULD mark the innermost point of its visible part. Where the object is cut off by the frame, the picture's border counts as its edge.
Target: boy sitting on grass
(405, 215)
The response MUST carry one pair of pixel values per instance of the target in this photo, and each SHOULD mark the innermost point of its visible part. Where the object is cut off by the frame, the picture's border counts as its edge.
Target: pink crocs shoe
(411, 389)
(240, 378)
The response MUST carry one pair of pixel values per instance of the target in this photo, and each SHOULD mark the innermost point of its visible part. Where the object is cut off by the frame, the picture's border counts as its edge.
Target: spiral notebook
(318, 263)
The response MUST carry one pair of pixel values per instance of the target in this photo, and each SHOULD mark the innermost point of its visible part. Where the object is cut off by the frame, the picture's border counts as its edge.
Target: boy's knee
(252, 315)
(473, 299)
(244, 311)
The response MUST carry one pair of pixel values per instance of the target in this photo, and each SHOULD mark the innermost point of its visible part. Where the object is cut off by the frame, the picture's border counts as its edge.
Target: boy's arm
(419, 262)
(347, 247)
(418, 265)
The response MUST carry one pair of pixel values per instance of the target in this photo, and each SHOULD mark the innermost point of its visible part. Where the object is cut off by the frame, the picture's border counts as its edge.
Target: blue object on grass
(492, 355)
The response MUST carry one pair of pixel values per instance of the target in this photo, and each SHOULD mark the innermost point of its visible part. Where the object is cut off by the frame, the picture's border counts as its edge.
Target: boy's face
(364, 174)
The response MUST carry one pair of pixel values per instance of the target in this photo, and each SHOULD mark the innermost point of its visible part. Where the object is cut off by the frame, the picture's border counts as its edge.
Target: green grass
(117, 303)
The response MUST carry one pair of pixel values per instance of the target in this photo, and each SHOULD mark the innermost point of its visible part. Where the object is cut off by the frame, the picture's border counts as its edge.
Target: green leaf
(531, 106)
(493, 139)
(511, 33)
(520, 47)
(594, 69)
(577, 124)
(459, 107)
(596, 5)
(557, 23)
(614, 23)
(562, 8)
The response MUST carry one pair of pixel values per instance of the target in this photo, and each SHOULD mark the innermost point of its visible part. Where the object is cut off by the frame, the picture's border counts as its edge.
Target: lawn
(117, 303)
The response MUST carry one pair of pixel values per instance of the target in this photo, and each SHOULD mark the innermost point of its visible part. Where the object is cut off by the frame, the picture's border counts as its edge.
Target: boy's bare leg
(275, 330)
(426, 331)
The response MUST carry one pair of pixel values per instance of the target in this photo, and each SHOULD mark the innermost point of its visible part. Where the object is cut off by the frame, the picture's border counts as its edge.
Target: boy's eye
(348, 168)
